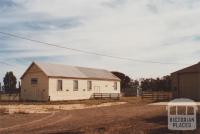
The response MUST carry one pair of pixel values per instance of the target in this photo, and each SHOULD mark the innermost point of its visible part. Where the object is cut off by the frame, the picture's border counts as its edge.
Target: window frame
(115, 85)
(89, 85)
(59, 87)
(34, 83)
(75, 87)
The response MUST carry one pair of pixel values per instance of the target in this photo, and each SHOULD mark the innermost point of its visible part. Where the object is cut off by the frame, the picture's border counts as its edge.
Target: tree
(125, 80)
(134, 84)
(10, 82)
(145, 84)
(157, 84)
(167, 82)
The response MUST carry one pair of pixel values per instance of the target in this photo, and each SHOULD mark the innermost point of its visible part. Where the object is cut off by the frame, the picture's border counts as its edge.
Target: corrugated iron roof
(192, 68)
(57, 70)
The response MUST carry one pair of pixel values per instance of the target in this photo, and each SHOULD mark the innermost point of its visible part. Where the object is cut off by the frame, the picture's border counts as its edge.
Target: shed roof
(67, 71)
(193, 68)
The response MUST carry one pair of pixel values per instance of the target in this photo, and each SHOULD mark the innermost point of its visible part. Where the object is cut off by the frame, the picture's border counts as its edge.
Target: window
(173, 110)
(190, 110)
(181, 110)
(89, 85)
(34, 81)
(75, 85)
(59, 85)
(115, 85)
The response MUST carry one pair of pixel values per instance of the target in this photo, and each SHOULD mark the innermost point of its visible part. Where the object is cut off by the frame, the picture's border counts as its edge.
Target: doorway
(97, 89)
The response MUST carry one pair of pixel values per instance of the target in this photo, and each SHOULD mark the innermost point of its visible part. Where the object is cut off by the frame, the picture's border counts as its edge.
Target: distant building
(186, 82)
(44, 81)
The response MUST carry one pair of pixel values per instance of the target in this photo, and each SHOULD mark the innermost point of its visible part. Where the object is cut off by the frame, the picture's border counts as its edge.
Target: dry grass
(132, 100)
(20, 112)
(6, 111)
(87, 102)
(3, 111)
(120, 119)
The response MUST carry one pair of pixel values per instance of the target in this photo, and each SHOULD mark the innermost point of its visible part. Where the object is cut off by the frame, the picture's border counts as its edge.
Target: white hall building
(54, 82)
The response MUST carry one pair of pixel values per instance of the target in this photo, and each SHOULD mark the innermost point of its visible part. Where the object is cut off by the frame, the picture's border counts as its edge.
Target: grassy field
(133, 117)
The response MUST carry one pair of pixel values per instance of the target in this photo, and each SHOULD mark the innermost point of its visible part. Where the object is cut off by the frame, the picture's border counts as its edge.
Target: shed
(186, 82)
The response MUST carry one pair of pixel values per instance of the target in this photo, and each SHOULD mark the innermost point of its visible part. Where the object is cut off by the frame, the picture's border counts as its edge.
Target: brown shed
(186, 82)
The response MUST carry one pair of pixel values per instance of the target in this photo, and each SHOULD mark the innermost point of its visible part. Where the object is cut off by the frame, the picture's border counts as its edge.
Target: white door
(97, 89)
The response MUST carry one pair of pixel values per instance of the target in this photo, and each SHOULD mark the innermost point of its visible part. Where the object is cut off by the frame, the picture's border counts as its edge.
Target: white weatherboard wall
(100, 86)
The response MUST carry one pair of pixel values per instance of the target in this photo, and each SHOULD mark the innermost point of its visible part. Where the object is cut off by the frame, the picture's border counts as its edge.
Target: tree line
(158, 84)
(146, 84)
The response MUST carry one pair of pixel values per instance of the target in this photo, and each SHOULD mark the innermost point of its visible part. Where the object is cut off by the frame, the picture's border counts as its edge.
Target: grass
(132, 100)
(87, 102)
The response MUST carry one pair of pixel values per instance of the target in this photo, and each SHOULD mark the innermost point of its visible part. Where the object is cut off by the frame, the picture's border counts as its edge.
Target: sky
(150, 30)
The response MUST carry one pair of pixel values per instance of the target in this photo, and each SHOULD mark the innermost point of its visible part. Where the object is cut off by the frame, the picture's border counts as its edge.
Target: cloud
(39, 25)
(157, 30)
(7, 4)
(114, 3)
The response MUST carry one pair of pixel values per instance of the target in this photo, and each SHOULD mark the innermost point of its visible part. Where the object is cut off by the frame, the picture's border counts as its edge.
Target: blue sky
(156, 30)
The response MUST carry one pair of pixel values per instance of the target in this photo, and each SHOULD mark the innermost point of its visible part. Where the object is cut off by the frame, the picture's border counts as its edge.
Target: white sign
(182, 114)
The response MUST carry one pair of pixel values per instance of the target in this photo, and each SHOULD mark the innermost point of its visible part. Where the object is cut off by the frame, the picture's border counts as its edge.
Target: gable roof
(193, 68)
(66, 71)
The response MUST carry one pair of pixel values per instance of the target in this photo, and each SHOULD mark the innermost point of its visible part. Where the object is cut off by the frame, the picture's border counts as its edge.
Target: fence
(9, 97)
(131, 91)
(157, 95)
(106, 95)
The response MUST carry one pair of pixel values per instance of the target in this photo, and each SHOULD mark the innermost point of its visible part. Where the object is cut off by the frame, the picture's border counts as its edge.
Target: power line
(87, 52)
(5, 63)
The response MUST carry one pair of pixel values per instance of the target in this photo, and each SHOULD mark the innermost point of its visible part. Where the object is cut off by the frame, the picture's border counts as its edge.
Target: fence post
(157, 96)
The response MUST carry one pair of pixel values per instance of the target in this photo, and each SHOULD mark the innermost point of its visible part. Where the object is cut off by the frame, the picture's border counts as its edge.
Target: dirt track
(121, 119)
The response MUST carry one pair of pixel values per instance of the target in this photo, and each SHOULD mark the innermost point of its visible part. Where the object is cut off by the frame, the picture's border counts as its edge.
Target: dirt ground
(134, 117)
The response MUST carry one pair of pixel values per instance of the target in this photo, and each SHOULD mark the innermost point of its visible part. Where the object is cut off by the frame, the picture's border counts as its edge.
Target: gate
(157, 95)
